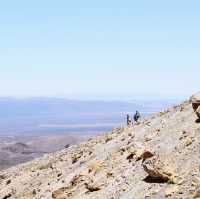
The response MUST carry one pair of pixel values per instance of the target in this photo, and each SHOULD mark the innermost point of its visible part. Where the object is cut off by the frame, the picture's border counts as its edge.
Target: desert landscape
(156, 158)
(98, 99)
(30, 128)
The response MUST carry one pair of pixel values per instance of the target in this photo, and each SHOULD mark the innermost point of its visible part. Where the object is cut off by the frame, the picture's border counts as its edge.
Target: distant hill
(17, 148)
(20, 149)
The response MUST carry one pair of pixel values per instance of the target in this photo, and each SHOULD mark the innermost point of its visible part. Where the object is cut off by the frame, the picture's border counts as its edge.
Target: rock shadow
(150, 179)
(197, 120)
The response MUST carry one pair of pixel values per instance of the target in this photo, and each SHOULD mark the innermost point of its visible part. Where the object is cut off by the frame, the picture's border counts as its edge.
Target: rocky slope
(156, 158)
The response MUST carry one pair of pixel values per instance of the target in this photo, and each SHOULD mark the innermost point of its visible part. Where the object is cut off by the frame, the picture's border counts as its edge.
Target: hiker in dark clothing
(128, 120)
(137, 116)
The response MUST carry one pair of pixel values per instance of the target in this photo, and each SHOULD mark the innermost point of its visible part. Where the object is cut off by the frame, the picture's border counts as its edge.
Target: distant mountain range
(36, 116)
(32, 127)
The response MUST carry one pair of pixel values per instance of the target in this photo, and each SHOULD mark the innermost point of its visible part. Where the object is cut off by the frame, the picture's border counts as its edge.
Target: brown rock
(59, 193)
(8, 182)
(188, 141)
(7, 196)
(92, 188)
(143, 154)
(157, 170)
(195, 100)
(198, 112)
(197, 194)
(130, 157)
(2, 177)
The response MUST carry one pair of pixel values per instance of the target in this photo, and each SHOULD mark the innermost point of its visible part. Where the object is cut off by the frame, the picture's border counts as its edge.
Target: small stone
(188, 141)
(34, 192)
(108, 138)
(8, 182)
(2, 177)
(195, 181)
(67, 146)
(171, 190)
(147, 139)
(130, 157)
(59, 193)
(92, 188)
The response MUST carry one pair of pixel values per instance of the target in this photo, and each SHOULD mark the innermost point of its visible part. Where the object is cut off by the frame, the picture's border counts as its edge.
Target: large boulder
(195, 100)
(158, 171)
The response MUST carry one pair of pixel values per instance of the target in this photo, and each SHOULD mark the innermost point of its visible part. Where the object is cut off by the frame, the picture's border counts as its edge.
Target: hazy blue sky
(99, 49)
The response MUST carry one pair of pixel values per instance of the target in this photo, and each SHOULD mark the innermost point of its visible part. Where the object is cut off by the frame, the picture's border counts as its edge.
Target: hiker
(137, 116)
(128, 120)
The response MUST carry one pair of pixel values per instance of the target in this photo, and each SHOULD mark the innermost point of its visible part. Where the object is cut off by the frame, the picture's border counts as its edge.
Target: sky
(99, 49)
